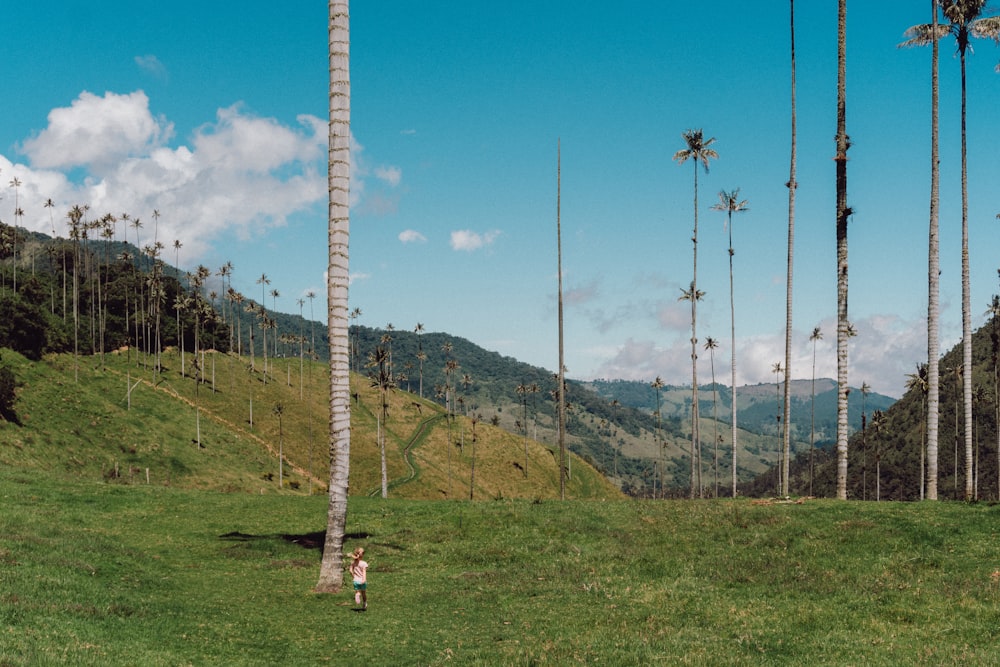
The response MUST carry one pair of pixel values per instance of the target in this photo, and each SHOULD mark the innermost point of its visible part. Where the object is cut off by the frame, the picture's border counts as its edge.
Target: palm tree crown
(697, 149)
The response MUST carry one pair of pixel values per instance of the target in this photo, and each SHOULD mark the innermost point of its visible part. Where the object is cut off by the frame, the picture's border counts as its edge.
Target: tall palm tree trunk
(792, 184)
(843, 143)
(732, 336)
(966, 302)
(339, 183)
(562, 368)
(695, 435)
(933, 287)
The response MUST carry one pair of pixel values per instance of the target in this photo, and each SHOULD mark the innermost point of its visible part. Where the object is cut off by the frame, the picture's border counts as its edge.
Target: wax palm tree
(387, 341)
(533, 389)
(815, 337)
(339, 177)
(699, 151)
(237, 320)
(778, 370)
(311, 295)
(919, 381)
(200, 309)
(421, 357)
(711, 344)
(451, 366)
(792, 184)
(865, 390)
(921, 35)
(615, 404)
(75, 217)
(472, 473)
(994, 313)
(279, 411)
(522, 391)
(561, 375)
(381, 378)
(466, 383)
(158, 294)
(878, 423)
(274, 296)
(657, 385)
(263, 281)
(354, 352)
(16, 184)
(181, 302)
(49, 204)
(156, 223)
(843, 214)
(730, 202)
(177, 265)
(223, 273)
(301, 339)
(965, 21)
(959, 371)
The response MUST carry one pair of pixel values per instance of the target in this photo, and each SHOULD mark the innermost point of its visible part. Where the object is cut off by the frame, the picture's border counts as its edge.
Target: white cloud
(240, 172)
(97, 132)
(389, 175)
(240, 142)
(151, 65)
(412, 236)
(468, 240)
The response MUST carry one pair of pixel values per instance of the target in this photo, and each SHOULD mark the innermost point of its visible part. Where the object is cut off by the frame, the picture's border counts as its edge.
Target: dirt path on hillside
(414, 471)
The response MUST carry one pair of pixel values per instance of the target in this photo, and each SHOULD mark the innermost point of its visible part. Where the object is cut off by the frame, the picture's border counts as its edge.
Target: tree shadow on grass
(314, 540)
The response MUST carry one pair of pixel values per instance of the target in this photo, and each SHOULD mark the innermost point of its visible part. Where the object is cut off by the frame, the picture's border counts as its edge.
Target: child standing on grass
(359, 571)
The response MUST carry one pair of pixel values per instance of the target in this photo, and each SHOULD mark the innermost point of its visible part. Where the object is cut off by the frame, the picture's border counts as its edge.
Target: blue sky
(216, 118)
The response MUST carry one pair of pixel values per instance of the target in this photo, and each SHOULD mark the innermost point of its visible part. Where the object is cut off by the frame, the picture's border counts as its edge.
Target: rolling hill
(118, 421)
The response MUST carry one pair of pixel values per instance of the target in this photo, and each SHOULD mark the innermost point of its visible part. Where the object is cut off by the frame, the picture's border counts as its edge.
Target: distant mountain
(757, 405)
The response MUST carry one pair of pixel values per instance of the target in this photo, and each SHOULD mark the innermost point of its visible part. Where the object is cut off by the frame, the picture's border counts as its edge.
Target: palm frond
(922, 35)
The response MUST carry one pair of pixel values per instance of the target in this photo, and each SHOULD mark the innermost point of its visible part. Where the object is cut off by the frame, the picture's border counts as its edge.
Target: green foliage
(8, 386)
(28, 329)
(165, 576)
(111, 278)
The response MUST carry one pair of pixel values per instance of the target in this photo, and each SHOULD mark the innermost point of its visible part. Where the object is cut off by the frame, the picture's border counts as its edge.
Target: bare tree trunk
(562, 366)
(695, 435)
(339, 182)
(966, 303)
(792, 185)
(843, 213)
(933, 288)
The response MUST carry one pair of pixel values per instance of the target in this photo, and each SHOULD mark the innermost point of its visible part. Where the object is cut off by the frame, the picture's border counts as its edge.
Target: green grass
(78, 421)
(99, 574)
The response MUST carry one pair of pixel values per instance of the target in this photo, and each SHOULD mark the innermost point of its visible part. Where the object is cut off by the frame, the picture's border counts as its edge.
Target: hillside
(115, 420)
(612, 425)
(887, 459)
(98, 298)
(619, 440)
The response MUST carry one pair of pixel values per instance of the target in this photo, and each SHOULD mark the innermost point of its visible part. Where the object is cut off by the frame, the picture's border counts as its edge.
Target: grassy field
(108, 574)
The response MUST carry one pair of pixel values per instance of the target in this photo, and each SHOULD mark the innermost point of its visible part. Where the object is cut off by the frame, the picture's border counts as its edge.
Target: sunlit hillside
(118, 420)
